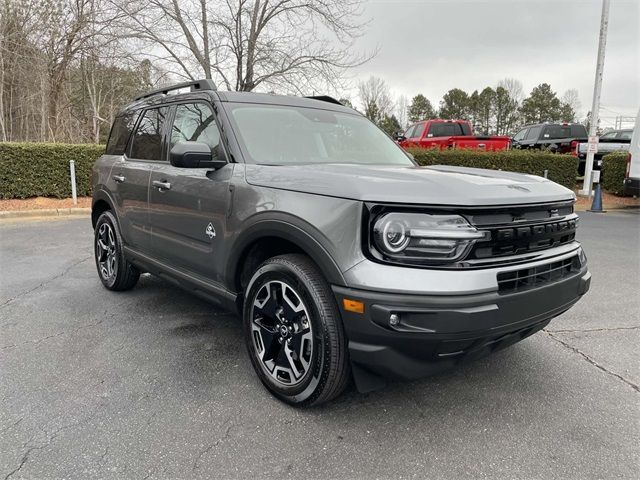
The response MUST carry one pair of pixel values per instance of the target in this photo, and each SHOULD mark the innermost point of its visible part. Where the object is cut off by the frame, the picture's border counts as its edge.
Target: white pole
(72, 166)
(595, 105)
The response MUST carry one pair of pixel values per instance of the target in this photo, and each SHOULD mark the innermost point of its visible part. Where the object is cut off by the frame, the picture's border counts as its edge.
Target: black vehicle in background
(554, 137)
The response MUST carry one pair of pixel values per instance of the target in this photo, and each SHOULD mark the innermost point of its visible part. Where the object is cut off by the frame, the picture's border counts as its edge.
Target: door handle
(161, 185)
(119, 178)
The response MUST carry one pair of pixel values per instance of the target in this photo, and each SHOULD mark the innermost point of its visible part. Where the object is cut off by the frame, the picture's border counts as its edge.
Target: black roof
(206, 87)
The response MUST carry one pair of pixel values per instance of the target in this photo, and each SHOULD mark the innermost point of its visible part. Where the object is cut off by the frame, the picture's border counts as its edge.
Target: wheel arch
(271, 237)
(101, 203)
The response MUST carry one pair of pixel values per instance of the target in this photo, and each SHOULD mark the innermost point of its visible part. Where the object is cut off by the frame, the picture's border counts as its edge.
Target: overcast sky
(431, 46)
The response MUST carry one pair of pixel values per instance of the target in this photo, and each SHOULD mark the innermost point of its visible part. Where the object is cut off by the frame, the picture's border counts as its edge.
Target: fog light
(394, 319)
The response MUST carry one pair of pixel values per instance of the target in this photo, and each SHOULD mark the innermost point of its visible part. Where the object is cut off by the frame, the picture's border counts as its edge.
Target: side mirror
(400, 137)
(194, 155)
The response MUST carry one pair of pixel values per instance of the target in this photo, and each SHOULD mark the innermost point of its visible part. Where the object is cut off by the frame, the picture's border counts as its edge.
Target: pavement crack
(208, 448)
(14, 424)
(586, 330)
(46, 282)
(593, 362)
(25, 457)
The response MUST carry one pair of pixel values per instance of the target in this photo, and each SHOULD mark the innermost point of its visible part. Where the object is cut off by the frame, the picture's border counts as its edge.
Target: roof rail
(325, 98)
(195, 85)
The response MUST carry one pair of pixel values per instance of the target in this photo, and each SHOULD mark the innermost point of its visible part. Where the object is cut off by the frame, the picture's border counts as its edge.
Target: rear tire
(293, 332)
(114, 270)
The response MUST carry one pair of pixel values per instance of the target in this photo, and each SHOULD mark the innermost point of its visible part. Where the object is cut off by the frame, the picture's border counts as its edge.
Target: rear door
(131, 177)
(188, 206)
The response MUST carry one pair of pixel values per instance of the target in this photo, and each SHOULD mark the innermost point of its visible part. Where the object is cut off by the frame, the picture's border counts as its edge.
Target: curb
(612, 209)
(45, 212)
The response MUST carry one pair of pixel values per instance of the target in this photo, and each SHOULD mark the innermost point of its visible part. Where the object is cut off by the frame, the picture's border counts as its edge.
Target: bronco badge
(210, 231)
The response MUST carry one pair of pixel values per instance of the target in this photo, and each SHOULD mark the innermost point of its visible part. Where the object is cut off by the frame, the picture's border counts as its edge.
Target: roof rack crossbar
(196, 85)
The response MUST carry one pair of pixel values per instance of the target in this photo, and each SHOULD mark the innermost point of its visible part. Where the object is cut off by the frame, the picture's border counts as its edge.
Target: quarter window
(194, 122)
(147, 139)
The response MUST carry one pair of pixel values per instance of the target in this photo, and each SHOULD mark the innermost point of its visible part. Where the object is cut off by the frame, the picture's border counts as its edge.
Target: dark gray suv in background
(343, 257)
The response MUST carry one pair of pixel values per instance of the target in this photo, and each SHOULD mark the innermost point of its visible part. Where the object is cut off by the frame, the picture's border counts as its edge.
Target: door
(188, 206)
(414, 136)
(131, 177)
(519, 137)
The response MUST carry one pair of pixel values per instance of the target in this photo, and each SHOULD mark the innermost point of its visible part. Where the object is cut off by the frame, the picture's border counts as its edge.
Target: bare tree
(571, 98)
(510, 106)
(281, 45)
(514, 89)
(401, 110)
(375, 98)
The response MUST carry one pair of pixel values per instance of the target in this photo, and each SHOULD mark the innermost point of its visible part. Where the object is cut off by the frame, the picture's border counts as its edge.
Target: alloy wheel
(106, 251)
(282, 333)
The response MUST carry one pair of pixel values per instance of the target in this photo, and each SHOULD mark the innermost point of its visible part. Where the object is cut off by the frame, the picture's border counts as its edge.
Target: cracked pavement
(155, 383)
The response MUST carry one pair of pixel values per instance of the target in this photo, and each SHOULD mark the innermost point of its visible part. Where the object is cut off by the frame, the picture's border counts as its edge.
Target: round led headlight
(395, 236)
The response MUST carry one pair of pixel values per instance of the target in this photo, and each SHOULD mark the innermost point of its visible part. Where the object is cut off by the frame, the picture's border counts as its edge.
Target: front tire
(114, 270)
(293, 332)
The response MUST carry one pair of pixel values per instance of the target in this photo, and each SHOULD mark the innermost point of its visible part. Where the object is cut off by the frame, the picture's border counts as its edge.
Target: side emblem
(210, 231)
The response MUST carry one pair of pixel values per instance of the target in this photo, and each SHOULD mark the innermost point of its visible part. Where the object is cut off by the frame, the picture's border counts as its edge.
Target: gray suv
(344, 258)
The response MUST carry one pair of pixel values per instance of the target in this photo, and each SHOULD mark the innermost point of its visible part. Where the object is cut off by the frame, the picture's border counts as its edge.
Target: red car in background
(449, 134)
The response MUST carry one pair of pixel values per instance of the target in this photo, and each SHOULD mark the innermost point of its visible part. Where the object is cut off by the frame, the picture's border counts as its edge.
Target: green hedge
(42, 169)
(614, 166)
(562, 168)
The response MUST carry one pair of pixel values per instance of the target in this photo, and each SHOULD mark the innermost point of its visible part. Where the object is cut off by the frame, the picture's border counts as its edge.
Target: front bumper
(437, 332)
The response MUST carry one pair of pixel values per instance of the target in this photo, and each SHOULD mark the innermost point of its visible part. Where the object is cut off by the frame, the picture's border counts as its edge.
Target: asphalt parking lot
(154, 383)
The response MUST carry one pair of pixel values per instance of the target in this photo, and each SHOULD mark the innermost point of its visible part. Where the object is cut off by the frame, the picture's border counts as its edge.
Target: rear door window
(120, 133)
(444, 130)
(534, 133)
(578, 131)
(552, 132)
(147, 140)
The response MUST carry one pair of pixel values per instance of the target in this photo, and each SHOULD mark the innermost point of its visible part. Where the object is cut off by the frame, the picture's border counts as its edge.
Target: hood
(439, 184)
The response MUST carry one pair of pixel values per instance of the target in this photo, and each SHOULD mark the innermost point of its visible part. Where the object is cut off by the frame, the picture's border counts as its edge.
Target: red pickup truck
(449, 134)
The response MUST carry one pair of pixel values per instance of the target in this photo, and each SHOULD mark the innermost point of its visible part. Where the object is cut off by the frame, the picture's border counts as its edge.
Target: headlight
(419, 238)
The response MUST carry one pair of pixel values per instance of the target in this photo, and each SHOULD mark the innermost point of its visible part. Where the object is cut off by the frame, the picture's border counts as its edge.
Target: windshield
(286, 135)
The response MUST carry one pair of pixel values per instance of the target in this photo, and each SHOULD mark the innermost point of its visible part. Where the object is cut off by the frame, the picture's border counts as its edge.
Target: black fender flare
(291, 229)
(101, 194)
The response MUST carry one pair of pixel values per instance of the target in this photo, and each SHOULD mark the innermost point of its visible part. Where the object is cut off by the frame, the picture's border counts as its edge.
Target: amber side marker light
(353, 305)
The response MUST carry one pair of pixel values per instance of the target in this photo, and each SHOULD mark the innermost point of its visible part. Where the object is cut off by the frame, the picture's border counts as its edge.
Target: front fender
(280, 225)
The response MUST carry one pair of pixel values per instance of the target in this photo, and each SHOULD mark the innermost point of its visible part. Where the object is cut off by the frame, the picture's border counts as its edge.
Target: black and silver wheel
(115, 272)
(294, 332)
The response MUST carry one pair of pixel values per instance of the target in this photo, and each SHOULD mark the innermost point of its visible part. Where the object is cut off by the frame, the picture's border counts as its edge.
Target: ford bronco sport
(343, 257)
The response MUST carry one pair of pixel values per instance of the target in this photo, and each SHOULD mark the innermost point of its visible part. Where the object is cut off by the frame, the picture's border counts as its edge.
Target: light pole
(595, 105)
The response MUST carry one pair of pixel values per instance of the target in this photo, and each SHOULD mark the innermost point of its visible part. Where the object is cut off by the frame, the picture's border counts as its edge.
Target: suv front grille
(517, 231)
(526, 278)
